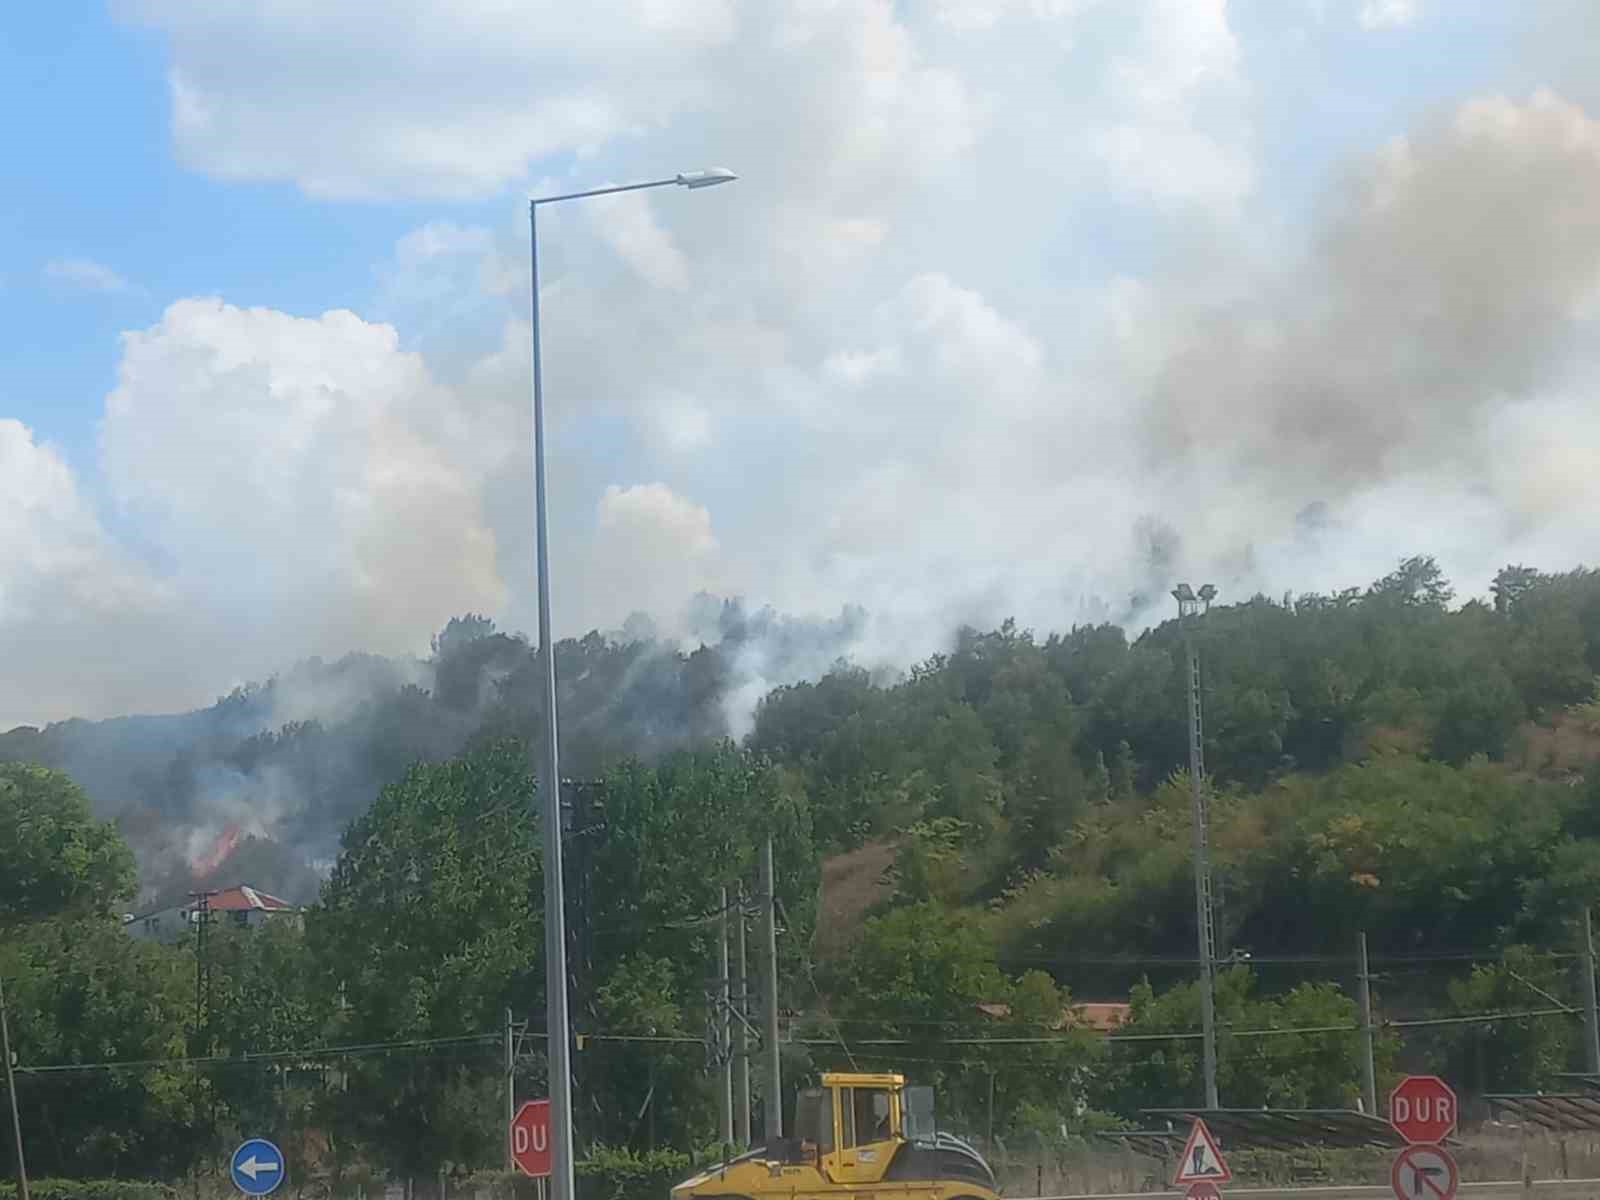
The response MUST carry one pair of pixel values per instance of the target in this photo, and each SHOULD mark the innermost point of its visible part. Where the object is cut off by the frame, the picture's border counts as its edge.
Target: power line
(470, 1039)
(1190, 1034)
(251, 1056)
(1472, 1019)
(1138, 960)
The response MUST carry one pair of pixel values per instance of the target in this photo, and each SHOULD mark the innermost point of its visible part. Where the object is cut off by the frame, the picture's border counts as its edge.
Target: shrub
(90, 1189)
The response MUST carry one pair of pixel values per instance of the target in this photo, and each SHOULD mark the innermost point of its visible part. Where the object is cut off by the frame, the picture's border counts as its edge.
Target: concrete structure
(241, 905)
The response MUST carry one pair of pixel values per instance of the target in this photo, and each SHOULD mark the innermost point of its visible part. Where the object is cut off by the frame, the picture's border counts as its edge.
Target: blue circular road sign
(257, 1167)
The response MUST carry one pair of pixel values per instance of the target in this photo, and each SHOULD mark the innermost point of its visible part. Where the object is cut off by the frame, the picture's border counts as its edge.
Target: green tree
(1477, 717)
(430, 924)
(54, 856)
(267, 999)
(1521, 1055)
(1255, 1067)
(82, 992)
(927, 974)
(1417, 582)
(675, 834)
(1419, 854)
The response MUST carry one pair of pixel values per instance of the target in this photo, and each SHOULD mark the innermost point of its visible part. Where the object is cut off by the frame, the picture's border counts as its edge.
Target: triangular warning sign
(1201, 1161)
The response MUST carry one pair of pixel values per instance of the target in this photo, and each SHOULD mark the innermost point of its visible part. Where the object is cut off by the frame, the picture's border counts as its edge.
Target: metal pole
(774, 1104)
(1369, 1070)
(11, 1090)
(555, 931)
(724, 1028)
(741, 1040)
(511, 1090)
(1202, 871)
(991, 1111)
(1591, 1023)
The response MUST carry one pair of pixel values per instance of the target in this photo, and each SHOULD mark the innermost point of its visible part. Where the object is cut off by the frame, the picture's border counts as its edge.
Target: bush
(622, 1174)
(90, 1189)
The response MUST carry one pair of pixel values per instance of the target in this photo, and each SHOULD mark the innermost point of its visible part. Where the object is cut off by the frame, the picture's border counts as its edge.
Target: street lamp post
(1190, 604)
(555, 933)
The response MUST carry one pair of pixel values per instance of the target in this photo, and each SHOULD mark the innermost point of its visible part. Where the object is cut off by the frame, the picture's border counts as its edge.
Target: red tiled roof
(1102, 1016)
(241, 897)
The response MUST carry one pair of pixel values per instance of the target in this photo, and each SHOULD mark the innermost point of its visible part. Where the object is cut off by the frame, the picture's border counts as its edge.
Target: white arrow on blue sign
(257, 1167)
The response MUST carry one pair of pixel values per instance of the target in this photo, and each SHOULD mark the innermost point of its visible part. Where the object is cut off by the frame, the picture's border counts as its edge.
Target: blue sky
(1002, 283)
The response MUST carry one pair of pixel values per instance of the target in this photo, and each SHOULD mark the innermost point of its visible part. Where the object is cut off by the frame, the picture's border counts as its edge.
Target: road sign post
(530, 1138)
(1422, 1109)
(1203, 1191)
(1201, 1162)
(1424, 1173)
(256, 1167)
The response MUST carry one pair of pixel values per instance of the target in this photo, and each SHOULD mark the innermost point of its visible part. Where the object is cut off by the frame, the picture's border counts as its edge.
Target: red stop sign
(1423, 1109)
(530, 1138)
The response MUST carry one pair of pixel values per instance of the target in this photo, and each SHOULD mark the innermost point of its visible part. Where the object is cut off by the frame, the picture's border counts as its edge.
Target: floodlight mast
(1190, 607)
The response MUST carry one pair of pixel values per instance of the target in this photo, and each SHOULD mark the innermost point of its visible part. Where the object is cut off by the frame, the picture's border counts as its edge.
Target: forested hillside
(1381, 761)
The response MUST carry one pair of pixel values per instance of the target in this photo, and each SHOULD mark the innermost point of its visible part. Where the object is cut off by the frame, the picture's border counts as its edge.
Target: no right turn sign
(1424, 1173)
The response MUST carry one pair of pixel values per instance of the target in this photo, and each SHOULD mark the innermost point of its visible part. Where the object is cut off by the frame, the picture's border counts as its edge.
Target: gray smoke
(1435, 333)
(258, 787)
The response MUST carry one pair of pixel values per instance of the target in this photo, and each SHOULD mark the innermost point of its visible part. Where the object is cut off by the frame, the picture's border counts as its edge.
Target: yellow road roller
(862, 1136)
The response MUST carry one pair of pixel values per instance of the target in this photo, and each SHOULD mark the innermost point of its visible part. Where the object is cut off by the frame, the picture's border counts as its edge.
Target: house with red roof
(241, 906)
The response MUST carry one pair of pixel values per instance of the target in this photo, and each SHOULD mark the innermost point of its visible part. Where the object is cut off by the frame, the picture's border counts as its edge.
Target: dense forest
(963, 853)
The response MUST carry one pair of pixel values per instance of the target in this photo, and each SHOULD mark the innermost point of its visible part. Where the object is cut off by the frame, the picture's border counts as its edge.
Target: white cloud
(68, 595)
(440, 238)
(306, 467)
(434, 99)
(656, 521)
(1388, 14)
(652, 549)
(629, 227)
(1186, 57)
(681, 424)
(423, 97)
(86, 275)
(50, 539)
(856, 367)
(312, 487)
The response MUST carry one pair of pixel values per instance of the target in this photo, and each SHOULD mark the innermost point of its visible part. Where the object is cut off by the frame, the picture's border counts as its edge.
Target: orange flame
(225, 844)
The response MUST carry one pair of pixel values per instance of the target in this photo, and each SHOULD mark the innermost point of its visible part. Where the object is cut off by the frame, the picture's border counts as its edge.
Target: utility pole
(202, 1009)
(511, 1088)
(724, 1030)
(774, 1105)
(1189, 606)
(741, 1038)
(1591, 1023)
(11, 1090)
(202, 970)
(1369, 1071)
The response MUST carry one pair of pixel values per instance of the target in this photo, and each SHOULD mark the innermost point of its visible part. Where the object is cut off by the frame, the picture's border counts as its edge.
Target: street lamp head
(710, 178)
(1183, 594)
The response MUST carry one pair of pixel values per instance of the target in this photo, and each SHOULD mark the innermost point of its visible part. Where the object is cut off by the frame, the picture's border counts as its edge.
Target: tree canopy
(55, 858)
